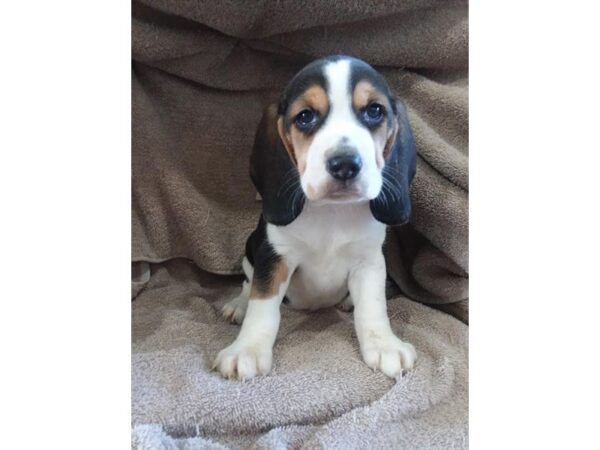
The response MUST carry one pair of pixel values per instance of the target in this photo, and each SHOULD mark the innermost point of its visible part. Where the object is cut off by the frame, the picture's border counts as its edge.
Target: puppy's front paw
(388, 354)
(244, 361)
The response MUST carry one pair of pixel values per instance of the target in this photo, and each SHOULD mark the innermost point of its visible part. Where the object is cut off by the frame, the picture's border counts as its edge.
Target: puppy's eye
(306, 118)
(375, 111)
(373, 114)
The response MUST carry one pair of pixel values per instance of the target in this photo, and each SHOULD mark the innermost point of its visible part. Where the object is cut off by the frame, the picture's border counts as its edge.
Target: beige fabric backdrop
(203, 72)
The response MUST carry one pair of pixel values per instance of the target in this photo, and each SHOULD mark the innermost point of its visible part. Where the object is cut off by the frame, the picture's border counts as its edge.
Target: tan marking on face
(314, 98)
(297, 143)
(380, 138)
(364, 94)
(285, 139)
(301, 144)
(278, 277)
(390, 140)
(273, 125)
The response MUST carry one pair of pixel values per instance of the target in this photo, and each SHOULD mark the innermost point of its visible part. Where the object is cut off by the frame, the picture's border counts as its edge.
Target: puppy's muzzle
(344, 164)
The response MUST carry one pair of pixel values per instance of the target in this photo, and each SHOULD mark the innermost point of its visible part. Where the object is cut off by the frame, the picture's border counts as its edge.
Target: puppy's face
(337, 120)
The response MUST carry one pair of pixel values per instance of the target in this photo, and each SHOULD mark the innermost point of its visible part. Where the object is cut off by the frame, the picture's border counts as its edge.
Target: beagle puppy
(333, 163)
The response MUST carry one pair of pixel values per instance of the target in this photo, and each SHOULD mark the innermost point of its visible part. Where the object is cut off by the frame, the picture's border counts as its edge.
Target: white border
(534, 166)
(65, 224)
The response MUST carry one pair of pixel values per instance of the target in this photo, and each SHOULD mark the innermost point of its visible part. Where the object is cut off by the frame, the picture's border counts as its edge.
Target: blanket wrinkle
(202, 74)
(446, 161)
(444, 24)
(275, 15)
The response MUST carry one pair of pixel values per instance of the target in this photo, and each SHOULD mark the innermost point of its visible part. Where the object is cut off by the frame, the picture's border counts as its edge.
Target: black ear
(274, 173)
(392, 206)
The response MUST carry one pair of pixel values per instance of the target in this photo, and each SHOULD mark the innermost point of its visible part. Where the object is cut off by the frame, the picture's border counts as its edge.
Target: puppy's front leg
(251, 352)
(379, 346)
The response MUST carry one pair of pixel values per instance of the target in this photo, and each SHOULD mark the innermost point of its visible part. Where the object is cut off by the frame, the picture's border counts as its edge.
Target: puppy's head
(338, 135)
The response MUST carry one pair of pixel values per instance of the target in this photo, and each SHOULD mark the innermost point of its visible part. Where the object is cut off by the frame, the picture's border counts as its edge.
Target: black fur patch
(262, 256)
(274, 175)
(393, 204)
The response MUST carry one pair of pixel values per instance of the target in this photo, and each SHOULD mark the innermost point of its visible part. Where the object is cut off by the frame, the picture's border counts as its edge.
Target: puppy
(333, 163)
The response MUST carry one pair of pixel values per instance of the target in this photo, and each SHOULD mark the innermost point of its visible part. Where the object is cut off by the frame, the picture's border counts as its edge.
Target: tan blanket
(202, 73)
(320, 394)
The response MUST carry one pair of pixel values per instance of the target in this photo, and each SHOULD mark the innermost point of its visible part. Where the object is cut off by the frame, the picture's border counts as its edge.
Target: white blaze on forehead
(340, 98)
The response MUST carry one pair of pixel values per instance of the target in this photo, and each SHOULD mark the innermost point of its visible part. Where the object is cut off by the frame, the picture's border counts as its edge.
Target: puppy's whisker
(389, 170)
(383, 195)
(394, 191)
(391, 189)
(289, 179)
(288, 173)
(386, 185)
(295, 198)
(294, 185)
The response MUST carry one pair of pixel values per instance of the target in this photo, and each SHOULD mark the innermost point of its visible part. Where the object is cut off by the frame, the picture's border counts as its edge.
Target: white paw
(235, 310)
(388, 354)
(244, 361)
(346, 305)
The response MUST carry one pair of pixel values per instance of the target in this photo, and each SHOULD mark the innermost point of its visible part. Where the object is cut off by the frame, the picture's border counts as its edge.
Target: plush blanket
(320, 394)
(202, 73)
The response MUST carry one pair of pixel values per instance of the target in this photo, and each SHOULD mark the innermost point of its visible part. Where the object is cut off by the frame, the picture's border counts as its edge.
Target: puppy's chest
(323, 235)
(324, 246)
(327, 260)
(322, 268)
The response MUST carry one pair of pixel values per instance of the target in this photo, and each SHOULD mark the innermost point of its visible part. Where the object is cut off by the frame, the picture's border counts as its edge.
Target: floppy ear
(274, 173)
(392, 206)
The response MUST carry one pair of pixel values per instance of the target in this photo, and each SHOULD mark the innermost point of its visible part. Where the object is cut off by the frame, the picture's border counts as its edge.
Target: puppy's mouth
(348, 191)
(340, 192)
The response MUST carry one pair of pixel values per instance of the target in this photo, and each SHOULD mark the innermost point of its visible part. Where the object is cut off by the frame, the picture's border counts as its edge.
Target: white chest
(323, 245)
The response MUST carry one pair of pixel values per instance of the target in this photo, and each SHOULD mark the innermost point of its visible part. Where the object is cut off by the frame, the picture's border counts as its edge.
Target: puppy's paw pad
(390, 355)
(243, 362)
(235, 310)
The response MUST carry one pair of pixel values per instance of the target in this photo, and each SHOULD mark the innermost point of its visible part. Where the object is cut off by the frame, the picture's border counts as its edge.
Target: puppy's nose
(344, 166)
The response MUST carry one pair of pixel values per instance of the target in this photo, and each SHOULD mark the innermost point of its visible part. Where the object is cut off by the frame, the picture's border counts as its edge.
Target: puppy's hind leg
(235, 309)
(346, 305)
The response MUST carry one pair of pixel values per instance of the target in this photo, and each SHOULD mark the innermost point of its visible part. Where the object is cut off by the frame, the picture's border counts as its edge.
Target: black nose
(344, 166)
